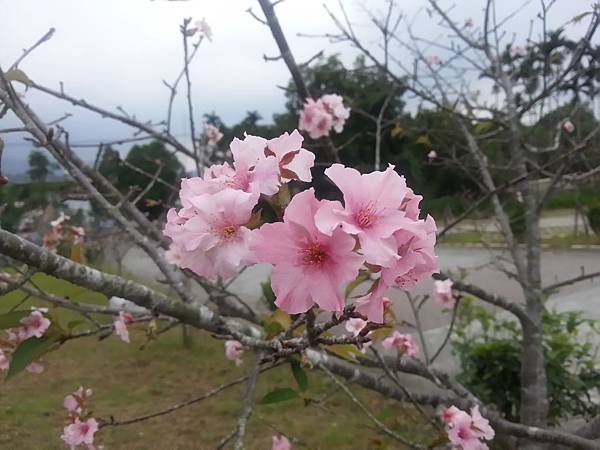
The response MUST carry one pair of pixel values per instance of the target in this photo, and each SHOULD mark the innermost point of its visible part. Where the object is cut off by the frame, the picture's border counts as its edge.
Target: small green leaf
(74, 323)
(18, 75)
(29, 351)
(279, 395)
(423, 140)
(396, 131)
(12, 319)
(483, 127)
(267, 291)
(299, 375)
(346, 351)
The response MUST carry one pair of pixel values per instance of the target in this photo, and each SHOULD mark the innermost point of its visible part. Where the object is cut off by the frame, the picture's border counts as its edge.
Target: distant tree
(39, 166)
(148, 159)
(110, 164)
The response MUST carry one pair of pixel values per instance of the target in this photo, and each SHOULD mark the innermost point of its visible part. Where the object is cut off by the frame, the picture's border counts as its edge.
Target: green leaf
(396, 131)
(18, 75)
(74, 323)
(482, 127)
(12, 319)
(29, 351)
(267, 291)
(299, 375)
(346, 351)
(279, 395)
(423, 140)
(277, 322)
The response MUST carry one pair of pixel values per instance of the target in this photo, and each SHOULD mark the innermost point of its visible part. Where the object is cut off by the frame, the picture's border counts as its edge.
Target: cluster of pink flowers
(81, 428)
(234, 351)
(403, 343)
(467, 431)
(320, 244)
(120, 325)
(443, 292)
(209, 232)
(61, 231)
(319, 117)
(213, 134)
(34, 325)
(280, 443)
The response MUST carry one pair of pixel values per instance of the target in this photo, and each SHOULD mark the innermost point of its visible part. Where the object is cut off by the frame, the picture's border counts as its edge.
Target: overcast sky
(116, 52)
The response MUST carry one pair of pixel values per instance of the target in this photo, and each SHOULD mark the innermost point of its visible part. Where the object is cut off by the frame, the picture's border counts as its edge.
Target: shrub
(490, 355)
(593, 215)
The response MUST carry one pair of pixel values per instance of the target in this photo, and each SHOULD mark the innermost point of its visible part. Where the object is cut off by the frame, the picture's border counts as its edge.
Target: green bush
(568, 199)
(593, 216)
(491, 361)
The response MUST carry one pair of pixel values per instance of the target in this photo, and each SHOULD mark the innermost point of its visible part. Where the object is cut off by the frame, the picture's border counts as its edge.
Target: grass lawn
(129, 381)
(556, 241)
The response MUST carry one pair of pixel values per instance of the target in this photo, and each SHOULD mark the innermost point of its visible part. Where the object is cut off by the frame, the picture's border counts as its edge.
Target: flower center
(366, 215)
(315, 254)
(228, 232)
(463, 433)
(238, 181)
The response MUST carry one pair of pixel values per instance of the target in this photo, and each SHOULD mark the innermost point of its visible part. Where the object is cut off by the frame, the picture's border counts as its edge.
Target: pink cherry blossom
(294, 161)
(373, 304)
(4, 362)
(434, 60)
(416, 258)
(254, 172)
(281, 443)
(35, 324)
(334, 105)
(120, 325)
(234, 351)
(213, 239)
(448, 414)
(466, 432)
(71, 404)
(404, 343)
(204, 28)
(443, 292)
(416, 261)
(410, 204)
(35, 367)
(355, 326)
(319, 117)
(315, 120)
(80, 433)
(309, 266)
(462, 434)
(213, 134)
(481, 424)
(371, 210)
(568, 126)
(517, 50)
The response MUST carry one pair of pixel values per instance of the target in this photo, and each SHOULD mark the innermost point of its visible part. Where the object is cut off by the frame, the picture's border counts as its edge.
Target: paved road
(556, 265)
